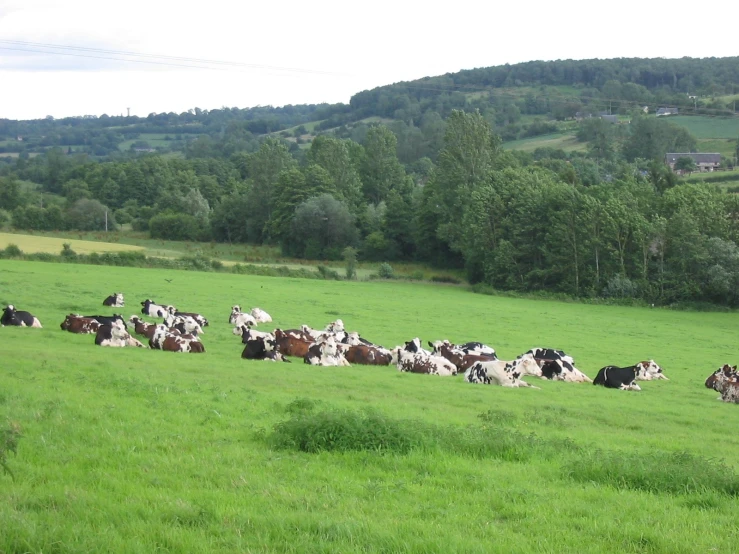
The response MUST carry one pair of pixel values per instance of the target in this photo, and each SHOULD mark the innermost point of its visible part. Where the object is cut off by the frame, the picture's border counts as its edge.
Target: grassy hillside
(562, 141)
(138, 450)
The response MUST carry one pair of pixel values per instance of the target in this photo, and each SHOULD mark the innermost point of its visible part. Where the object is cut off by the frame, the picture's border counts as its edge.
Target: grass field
(51, 245)
(705, 127)
(140, 451)
(566, 142)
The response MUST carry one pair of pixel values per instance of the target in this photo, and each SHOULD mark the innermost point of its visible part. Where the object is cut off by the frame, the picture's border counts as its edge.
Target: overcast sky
(243, 53)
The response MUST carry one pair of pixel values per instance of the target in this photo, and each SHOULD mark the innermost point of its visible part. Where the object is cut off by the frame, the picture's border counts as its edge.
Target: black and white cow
(558, 366)
(184, 324)
(115, 335)
(115, 300)
(260, 348)
(325, 353)
(505, 374)
(16, 318)
(245, 331)
(414, 346)
(613, 377)
(152, 309)
(649, 371)
(107, 319)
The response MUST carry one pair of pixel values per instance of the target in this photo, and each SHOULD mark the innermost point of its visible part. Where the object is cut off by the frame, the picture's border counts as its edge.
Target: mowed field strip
(139, 451)
(51, 245)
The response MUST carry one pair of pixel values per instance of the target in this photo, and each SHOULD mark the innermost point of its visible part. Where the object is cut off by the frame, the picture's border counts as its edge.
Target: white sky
(314, 51)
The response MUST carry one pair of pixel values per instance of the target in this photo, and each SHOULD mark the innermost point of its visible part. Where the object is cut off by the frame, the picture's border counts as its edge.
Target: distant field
(704, 127)
(565, 142)
(33, 243)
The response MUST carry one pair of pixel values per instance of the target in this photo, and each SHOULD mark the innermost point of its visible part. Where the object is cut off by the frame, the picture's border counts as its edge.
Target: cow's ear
(430, 343)
(734, 368)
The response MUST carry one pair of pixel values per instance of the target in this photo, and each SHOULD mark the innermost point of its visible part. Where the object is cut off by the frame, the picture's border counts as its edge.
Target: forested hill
(506, 95)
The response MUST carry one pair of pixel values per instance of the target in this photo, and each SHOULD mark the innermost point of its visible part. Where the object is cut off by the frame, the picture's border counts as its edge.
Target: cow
(153, 309)
(418, 362)
(235, 311)
(201, 320)
(478, 349)
(353, 339)
(367, 355)
(562, 370)
(243, 330)
(292, 342)
(107, 319)
(184, 324)
(260, 315)
(725, 373)
(141, 327)
(461, 360)
(613, 377)
(414, 346)
(558, 366)
(649, 371)
(80, 325)
(335, 326)
(16, 318)
(505, 374)
(163, 339)
(325, 353)
(115, 300)
(259, 348)
(115, 334)
(240, 319)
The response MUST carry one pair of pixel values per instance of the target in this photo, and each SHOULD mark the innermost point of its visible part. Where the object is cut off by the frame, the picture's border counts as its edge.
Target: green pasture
(566, 142)
(707, 127)
(134, 450)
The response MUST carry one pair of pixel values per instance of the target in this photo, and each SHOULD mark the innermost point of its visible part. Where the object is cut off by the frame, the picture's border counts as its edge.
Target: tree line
(613, 221)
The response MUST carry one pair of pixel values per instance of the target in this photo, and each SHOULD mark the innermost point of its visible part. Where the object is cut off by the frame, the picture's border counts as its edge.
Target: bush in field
(385, 271)
(171, 226)
(12, 251)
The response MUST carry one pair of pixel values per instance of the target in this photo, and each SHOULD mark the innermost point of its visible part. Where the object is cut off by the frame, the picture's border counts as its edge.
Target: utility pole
(106, 221)
(129, 112)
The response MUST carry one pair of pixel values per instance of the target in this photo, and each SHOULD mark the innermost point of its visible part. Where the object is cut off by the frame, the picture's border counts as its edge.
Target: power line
(202, 63)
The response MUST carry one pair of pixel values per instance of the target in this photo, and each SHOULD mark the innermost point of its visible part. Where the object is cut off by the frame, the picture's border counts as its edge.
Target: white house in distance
(707, 161)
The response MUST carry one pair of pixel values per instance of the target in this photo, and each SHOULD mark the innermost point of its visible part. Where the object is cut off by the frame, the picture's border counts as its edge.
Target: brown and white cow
(81, 325)
(293, 342)
(725, 380)
(141, 327)
(163, 339)
(458, 357)
(649, 371)
(367, 355)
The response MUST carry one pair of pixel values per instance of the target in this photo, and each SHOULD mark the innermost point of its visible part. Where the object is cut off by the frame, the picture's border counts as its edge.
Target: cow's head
(413, 345)
(9, 309)
(236, 309)
(527, 365)
(650, 370)
(722, 375)
(352, 339)
(146, 303)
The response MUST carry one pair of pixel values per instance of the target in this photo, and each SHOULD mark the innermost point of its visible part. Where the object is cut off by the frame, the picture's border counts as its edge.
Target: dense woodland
(431, 185)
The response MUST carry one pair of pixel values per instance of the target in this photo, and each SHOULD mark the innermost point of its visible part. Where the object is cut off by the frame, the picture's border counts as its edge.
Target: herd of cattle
(334, 346)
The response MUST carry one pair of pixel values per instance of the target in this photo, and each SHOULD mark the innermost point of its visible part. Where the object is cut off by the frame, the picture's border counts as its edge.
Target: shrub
(385, 271)
(327, 273)
(445, 279)
(12, 251)
(350, 258)
(67, 251)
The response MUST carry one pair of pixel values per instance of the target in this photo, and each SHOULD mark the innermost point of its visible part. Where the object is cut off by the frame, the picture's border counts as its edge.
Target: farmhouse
(703, 161)
(667, 111)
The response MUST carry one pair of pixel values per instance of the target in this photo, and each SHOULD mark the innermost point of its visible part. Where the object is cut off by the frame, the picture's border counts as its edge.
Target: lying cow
(80, 325)
(367, 355)
(293, 342)
(152, 309)
(142, 328)
(163, 339)
(243, 319)
(414, 346)
(505, 374)
(725, 380)
(542, 355)
(562, 370)
(197, 317)
(184, 324)
(325, 353)
(649, 371)
(261, 348)
(244, 330)
(115, 300)
(260, 315)
(419, 362)
(613, 377)
(107, 319)
(16, 318)
(115, 335)
(457, 356)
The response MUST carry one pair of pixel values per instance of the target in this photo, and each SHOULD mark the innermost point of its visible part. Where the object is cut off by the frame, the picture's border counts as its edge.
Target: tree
(381, 171)
(652, 138)
(89, 215)
(464, 165)
(321, 228)
(10, 194)
(333, 155)
(685, 164)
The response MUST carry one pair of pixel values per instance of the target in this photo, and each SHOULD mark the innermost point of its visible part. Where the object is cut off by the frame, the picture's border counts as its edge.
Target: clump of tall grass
(9, 443)
(340, 430)
(657, 472)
